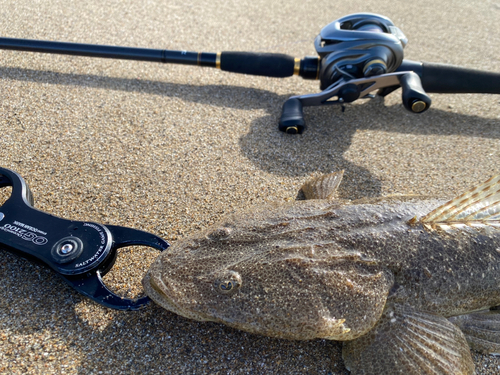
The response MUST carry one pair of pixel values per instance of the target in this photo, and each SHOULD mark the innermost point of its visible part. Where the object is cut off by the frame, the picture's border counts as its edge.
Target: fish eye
(226, 287)
(228, 282)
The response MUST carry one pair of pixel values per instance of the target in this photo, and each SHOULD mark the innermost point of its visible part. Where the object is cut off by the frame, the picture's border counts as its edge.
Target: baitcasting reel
(358, 55)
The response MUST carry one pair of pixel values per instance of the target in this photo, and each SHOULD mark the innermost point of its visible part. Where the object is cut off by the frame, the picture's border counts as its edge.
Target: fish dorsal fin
(322, 187)
(480, 205)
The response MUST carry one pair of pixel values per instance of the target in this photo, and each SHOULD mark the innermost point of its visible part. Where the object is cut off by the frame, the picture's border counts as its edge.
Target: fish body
(383, 275)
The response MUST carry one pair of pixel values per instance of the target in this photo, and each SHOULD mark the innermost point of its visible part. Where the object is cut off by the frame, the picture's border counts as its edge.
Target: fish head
(258, 272)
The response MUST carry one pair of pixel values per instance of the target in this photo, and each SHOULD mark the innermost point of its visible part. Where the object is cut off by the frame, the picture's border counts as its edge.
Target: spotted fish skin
(329, 269)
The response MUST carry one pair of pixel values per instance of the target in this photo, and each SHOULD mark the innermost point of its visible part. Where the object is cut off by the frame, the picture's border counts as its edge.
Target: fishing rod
(357, 55)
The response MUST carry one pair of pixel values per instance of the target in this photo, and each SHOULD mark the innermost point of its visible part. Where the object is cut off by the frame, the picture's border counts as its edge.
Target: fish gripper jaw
(80, 252)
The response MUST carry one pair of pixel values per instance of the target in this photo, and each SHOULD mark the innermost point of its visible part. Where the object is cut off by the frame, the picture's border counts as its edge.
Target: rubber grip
(448, 79)
(258, 64)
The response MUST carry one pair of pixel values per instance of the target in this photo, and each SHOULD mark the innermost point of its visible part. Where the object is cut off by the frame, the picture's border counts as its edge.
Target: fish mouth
(155, 288)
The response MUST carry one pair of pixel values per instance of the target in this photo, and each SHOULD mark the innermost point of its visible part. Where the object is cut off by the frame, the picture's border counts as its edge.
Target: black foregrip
(259, 64)
(442, 78)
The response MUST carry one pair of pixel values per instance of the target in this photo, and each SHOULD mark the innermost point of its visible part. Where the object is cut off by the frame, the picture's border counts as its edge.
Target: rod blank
(262, 64)
(110, 52)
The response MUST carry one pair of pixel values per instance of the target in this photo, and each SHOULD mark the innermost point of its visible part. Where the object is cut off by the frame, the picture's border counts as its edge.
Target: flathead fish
(405, 282)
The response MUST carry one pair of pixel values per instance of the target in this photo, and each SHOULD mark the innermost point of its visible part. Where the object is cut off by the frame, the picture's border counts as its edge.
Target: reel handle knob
(414, 97)
(292, 117)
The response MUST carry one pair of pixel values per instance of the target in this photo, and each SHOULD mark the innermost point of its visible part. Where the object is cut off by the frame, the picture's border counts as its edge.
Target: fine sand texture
(171, 149)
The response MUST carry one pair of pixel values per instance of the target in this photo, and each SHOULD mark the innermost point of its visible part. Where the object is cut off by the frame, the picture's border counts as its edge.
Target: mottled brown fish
(403, 281)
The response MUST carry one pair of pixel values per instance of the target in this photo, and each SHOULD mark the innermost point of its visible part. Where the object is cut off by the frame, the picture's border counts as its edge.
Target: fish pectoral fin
(322, 187)
(481, 329)
(411, 342)
(478, 206)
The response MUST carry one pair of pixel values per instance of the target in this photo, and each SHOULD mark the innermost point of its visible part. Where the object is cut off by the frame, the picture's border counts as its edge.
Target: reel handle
(292, 117)
(414, 97)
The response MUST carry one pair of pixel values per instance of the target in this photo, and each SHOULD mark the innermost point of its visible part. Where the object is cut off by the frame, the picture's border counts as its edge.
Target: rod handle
(444, 79)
